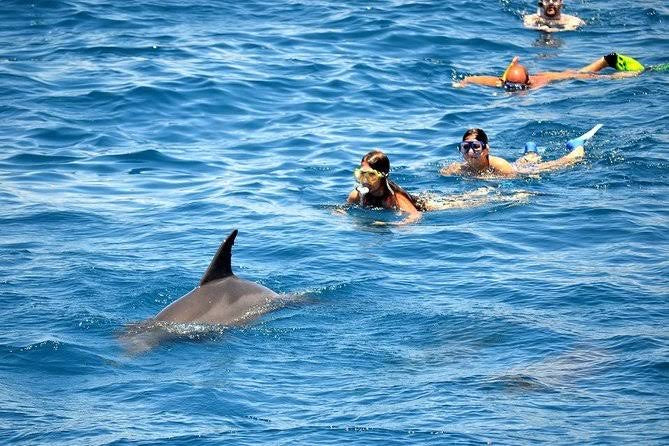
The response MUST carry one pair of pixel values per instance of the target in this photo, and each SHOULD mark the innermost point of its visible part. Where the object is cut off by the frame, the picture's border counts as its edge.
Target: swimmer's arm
(353, 197)
(486, 81)
(568, 75)
(451, 169)
(569, 159)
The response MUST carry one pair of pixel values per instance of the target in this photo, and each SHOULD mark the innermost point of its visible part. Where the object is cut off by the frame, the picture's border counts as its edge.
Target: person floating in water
(375, 189)
(516, 77)
(549, 18)
(478, 161)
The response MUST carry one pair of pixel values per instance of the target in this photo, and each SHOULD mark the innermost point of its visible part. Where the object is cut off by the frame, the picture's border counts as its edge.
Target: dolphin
(221, 298)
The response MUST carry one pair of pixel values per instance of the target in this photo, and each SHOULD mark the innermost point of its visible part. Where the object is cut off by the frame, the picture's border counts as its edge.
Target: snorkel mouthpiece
(362, 191)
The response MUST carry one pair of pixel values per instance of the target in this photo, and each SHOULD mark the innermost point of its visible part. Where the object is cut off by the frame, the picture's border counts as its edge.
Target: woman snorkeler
(478, 161)
(375, 189)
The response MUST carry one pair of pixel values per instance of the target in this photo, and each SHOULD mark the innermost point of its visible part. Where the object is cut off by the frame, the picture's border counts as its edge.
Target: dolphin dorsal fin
(221, 265)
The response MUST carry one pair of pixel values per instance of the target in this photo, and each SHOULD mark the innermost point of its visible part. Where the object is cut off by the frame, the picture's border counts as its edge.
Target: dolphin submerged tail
(221, 265)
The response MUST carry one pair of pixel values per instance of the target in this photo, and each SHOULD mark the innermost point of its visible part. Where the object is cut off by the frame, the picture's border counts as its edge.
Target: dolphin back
(221, 265)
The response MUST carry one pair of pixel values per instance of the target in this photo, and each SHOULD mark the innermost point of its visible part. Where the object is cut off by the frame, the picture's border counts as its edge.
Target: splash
(478, 197)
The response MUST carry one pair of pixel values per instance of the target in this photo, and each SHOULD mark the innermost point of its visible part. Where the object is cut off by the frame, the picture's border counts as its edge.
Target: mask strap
(392, 192)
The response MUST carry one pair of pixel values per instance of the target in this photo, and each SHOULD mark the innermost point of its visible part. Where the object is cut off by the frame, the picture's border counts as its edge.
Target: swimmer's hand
(459, 84)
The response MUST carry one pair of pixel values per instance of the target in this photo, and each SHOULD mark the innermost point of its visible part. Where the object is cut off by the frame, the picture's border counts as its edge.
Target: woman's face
(369, 177)
(474, 151)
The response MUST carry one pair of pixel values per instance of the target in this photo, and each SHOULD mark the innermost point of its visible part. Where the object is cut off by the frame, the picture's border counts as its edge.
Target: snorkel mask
(514, 86)
(476, 147)
(366, 177)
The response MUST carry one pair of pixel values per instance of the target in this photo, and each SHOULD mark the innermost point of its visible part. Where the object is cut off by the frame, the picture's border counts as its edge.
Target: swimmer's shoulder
(501, 166)
(404, 202)
(571, 22)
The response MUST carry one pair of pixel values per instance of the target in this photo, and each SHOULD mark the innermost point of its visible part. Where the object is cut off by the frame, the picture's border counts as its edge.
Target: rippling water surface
(136, 135)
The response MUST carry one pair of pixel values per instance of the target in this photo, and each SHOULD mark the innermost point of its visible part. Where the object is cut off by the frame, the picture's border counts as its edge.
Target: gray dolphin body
(221, 298)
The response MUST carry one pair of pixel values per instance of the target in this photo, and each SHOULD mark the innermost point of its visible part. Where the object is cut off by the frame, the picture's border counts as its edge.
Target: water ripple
(136, 135)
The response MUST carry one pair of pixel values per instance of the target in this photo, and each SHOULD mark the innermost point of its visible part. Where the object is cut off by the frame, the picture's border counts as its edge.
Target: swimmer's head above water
(550, 9)
(373, 171)
(474, 148)
(375, 189)
(515, 77)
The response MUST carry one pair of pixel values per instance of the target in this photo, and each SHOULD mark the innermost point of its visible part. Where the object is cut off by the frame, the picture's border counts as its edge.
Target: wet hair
(477, 133)
(377, 160)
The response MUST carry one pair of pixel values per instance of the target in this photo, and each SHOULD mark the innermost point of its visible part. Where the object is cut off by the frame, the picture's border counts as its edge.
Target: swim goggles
(476, 146)
(550, 2)
(367, 175)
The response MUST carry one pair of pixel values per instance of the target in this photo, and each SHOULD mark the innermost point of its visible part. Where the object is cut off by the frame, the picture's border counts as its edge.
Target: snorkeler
(516, 77)
(375, 189)
(478, 161)
(549, 18)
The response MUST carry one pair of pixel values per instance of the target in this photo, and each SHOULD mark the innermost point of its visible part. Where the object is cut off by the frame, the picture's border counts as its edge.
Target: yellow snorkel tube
(506, 72)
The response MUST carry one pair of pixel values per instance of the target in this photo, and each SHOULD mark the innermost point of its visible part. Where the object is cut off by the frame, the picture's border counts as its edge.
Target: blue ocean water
(135, 135)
